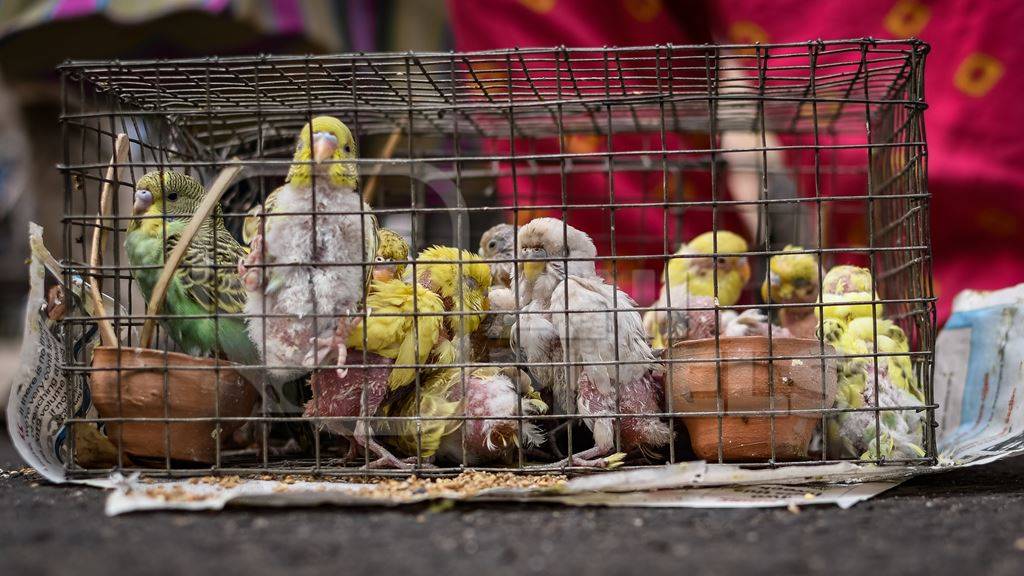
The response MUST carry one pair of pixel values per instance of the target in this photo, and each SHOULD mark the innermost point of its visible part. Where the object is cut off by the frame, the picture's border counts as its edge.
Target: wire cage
(718, 252)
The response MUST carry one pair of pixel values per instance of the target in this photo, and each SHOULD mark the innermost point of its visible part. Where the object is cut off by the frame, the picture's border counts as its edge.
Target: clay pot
(191, 392)
(745, 386)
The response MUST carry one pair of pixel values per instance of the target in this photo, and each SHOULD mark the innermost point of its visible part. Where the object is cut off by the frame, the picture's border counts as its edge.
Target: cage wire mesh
(811, 153)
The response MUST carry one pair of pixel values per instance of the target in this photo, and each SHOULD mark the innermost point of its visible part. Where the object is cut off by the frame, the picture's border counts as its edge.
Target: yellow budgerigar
(462, 281)
(847, 293)
(392, 254)
(484, 407)
(858, 336)
(690, 282)
(793, 278)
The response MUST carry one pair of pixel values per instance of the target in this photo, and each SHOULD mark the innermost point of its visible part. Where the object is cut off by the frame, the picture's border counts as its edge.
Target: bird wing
(370, 240)
(437, 398)
(602, 328)
(251, 226)
(207, 272)
(534, 338)
(392, 331)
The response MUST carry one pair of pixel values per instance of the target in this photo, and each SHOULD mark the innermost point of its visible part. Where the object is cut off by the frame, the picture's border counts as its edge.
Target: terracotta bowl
(191, 392)
(745, 386)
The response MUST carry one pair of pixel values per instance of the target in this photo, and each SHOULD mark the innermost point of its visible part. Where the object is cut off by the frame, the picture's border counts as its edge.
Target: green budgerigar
(206, 282)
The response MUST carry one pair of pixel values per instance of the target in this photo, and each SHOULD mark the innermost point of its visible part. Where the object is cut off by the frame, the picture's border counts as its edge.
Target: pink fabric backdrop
(974, 121)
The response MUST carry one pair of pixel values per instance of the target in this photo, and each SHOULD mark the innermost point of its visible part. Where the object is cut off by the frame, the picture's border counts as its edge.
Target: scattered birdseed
(465, 484)
(173, 494)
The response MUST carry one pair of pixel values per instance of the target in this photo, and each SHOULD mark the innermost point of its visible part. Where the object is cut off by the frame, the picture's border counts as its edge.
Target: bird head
(543, 239)
(708, 259)
(848, 291)
(391, 249)
(498, 241)
(791, 277)
(166, 195)
(437, 270)
(323, 145)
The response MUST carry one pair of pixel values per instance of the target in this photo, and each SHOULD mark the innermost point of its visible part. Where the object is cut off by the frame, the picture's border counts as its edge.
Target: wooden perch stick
(370, 190)
(99, 238)
(210, 201)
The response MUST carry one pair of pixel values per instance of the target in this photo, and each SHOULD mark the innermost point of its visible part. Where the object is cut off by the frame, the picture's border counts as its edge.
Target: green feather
(197, 290)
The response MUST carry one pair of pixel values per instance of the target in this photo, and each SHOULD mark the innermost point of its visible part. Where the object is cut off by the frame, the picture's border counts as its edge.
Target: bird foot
(248, 270)
(393, 462)
(608, 462)
(585, 459)
(337, 344)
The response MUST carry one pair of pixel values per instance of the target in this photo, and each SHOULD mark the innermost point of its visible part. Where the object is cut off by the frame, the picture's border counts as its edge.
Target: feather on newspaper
(980, 386)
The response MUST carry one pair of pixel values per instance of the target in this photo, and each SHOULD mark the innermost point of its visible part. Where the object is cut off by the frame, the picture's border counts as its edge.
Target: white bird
(593, 334)
(315, 274)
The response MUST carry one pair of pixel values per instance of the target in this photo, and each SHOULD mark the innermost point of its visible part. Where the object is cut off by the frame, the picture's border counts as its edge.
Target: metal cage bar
(514, 135)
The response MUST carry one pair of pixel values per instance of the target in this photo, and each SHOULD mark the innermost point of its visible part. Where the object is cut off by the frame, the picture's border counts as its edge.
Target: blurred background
(976, 158)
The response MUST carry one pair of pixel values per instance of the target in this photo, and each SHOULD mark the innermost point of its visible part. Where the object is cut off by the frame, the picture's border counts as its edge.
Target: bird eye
(173, 196)
(721, 261)
(379, 259)
(347, 148)
(492, 244)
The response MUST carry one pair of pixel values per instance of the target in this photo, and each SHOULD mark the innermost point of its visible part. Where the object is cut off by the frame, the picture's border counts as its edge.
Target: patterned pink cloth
(974, 121)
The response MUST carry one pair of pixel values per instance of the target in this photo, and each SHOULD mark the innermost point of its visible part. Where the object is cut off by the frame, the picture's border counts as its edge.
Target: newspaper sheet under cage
(979, 374)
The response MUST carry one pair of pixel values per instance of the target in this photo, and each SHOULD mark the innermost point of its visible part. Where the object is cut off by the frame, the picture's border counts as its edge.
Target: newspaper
(979, 385)
(133, 496)
(979, 378)
(40, 395)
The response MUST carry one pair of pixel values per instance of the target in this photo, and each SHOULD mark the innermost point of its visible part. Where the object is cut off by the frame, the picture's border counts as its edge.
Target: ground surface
(967, 522)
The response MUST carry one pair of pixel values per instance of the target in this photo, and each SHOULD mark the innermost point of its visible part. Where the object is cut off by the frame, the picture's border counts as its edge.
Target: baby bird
(304, 274)
(484, 406)
(852, 332)
(392, 253)
(689, 284)
(405, 328)
(847, 292)
(498, 243)
(391, 335)
(611, 368)
(794, 279)
(205, 283)
(462, 282)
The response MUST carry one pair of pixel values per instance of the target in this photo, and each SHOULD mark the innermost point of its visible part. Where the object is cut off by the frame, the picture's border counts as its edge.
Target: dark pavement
(959, 523)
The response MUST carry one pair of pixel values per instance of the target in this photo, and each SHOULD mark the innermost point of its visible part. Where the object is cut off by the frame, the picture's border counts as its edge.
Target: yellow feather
(733, 271)
(393, 331)
(340, 174)
(438, 269)
(434, 402)
(848, 289)
(791, 271)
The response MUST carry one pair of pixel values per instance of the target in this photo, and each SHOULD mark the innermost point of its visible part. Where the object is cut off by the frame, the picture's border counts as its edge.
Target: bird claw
(580, 460)
(336, 343)
(390, 461)
(250, 275)
(614, 461)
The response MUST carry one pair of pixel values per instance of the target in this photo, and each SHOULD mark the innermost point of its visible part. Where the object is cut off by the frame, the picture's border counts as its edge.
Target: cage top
(530, 92)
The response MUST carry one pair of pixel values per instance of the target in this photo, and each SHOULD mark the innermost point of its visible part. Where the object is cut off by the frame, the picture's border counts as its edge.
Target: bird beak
(143, 200)
(532, 270)
(383, 273)
(324, 146)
